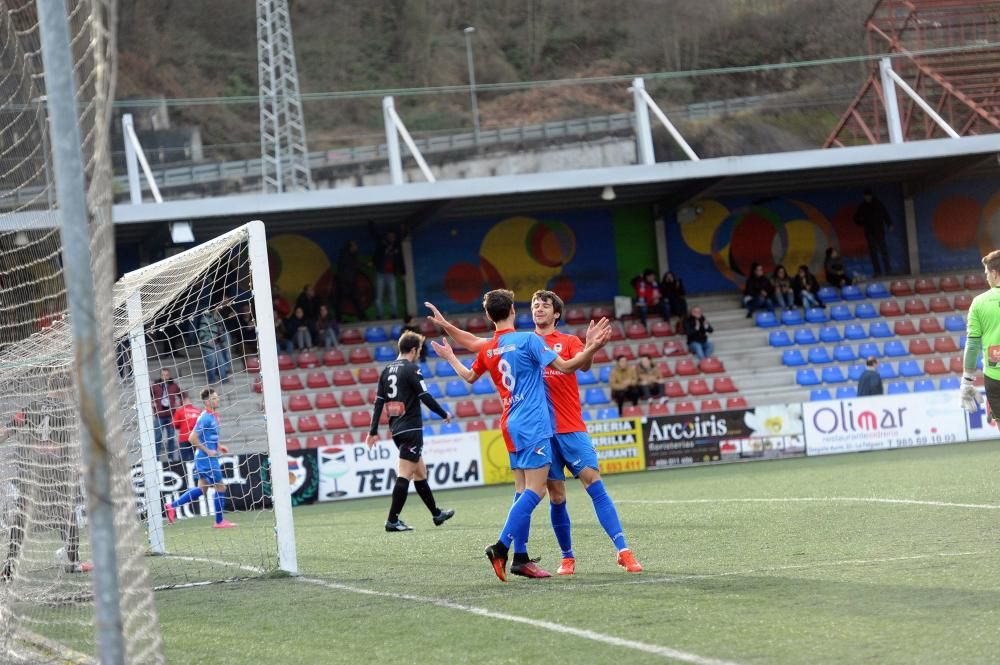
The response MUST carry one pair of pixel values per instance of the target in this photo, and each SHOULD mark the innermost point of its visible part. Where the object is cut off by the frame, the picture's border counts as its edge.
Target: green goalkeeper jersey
(984, 323)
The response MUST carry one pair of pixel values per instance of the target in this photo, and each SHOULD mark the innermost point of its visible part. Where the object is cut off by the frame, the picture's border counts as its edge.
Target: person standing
(401, 389)
(983, 339)
(874, 219)
(166, 397)
(870, 381)
(347, 282)
(212, 338)
(697, 329)
(388, 260)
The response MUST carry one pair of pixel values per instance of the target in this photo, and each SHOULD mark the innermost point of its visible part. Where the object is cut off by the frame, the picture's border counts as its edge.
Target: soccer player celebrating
(983, 337)
(401, 389)
(205, 440)
(573, 447)
(515, 361)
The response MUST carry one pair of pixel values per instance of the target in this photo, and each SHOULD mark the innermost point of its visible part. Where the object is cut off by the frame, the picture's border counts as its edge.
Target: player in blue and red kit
(205, 440)
(515, 362)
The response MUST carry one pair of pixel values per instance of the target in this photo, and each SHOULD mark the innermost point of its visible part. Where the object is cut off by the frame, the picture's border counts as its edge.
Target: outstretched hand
(436, 315)
(443, 349)
(598, 334)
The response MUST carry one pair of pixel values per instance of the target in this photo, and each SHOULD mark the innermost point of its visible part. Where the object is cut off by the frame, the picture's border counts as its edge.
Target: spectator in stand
(834, 267)
(656, 302)
(281, 334)
(309, 302)
(327, 329)
(212, 338)
(184, 421)
(299, 329)
(870, 381)
(388, 261)
(784, 294)
(672, 290)
(806, 288)
(347, 281)
(648, 379)
(280, 304)
(641, 299)
(758, 292)
(247, 332)
(166, 398)
(624, 383)
(872, 216)
(697, 329)
(227, 314)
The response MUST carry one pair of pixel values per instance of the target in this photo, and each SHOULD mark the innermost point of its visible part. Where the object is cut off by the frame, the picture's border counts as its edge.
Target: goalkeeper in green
(983, 332)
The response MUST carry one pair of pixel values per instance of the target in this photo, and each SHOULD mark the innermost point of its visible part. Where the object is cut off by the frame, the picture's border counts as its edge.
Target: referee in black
(401, 388)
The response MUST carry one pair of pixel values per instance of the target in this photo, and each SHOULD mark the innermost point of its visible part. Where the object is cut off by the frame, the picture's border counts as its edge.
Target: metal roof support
(180, 232)
(643, 132)
(394, 129)
(886, 67)
(638, 89)
(893, 121)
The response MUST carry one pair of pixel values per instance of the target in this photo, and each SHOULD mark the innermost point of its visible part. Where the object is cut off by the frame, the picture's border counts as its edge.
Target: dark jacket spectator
(388, 260)
(308, 301)
(758, 292)
(166, 395)
(806, 288)
(872, 216)
(870, 382)
(784, 294)
(299, 329)
(836, 275)
(672, 289)
(348, 267)
(327, 329)
(697, 329)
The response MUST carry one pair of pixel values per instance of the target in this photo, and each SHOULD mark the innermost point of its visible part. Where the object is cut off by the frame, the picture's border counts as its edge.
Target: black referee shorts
(993, 396)
(410, 444)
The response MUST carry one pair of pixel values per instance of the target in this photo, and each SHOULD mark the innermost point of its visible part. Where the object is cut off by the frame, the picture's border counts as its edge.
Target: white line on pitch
(817, 499)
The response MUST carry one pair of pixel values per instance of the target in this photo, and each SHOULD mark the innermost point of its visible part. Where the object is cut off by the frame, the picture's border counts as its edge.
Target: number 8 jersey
(515, 361)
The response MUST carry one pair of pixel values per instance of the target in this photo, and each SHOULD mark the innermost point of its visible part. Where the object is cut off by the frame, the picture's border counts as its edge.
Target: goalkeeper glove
(969, 394)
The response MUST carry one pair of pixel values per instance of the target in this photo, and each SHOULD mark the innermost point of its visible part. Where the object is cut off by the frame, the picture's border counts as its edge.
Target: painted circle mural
(956, 222)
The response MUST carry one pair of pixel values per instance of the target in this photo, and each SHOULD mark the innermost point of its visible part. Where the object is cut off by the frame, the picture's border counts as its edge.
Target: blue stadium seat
(828, 294)
(524, 321)
(816, 315)
(384, 353)
(819, 355)
(586, 378)
(435, 390)
(877, 290)
(429, 430)
(792, 358)
(586, 415)
(844, 353)
(766, 320)
(880, 329)
(865, 310)
(887, 371)
(791, 317)
(847, 392)
(910, 368)
(923, 386)
(841, 313)
(949, 383)
(595, 397)
(456, 388)
(854, 331)
(425, 371)
(443, 369)
(431, 353)
(375, 335)
(450, 428)
(833, 375)
(779, 338)
(607, 413)
(819, 395)
(830, 335)
(851, 292)
(804, 336)
(396, 331)
(807, 377)
(954, 323)
(895, 349)
(961, 341)
(854, 372)
(897, 388)
(868, 349)
(483, 386)
(605, 374)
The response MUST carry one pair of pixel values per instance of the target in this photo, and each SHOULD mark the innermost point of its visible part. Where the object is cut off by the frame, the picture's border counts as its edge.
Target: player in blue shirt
(205, 440)
(515, 362)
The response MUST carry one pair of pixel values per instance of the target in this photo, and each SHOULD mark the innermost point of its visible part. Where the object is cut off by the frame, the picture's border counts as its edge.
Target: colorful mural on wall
(958, 223)
(712, 243)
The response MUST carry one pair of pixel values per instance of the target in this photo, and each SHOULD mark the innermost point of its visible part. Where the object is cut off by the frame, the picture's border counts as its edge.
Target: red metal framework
(963, 86)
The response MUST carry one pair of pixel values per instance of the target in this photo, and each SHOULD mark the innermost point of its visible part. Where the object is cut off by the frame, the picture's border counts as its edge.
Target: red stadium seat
(343, 377)
(636, 331)
(368, 375)
(956, 364)
(685, 407)
(662, 329)
(674, 348)
(939, 304)
(334, 421)
(711, 405)
(900, 288)
(599, 313)
(334, 357)
(342, 438)
(495, 423)
(904, 327)
(492, 406)
(675, 389)
(631, 411)
(372, 392)
(920, 346)
(351, 398)
(602, 357)
(915, 307)
(289, 429)
(617, 332)
(658, 409)
(945, 345)
(326, 401)
(925, 286)
(316, 380)
(466, 408)
(930, 326)
(890, 308)
(649, 349)
(307, 360)
(475, 426)
(360, 419)
(665, 371)
(963, 302)
(285, 362)
(291, 382)
(738, 402)
(292, 443)
(252, 363)
(575, 316)
(711, 366)
(698, 387)
(360, 355)
(723, 384)
(299, 403)
(686, 367)
(428, 329)
(307, 424)
(351, 336)
(316, 441)
(258, 385)
(623, 350)
(951, 283)
(975, 282)
(935, 366)
(477, 324)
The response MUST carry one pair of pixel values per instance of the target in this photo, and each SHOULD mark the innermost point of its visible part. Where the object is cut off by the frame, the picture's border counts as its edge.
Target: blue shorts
(207, 468)
(532, 457)
(573, 450)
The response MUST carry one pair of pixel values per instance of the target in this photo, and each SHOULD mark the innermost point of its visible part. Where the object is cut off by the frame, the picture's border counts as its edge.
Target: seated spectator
(298, 328)
(697, 329)
(672, 290)
(870, 381)
(281, 334)
(758, 293)
(784, 294)
(280, 304)
(642, 297)
(648, 379)
(834, 267)
(309, 302)
(656, 302)
(806, 288)
(624, 383)
(326, 327)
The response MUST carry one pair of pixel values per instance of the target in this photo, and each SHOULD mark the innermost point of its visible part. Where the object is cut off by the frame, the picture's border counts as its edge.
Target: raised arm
(463, 338)
(597, 336)
(445, 351)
